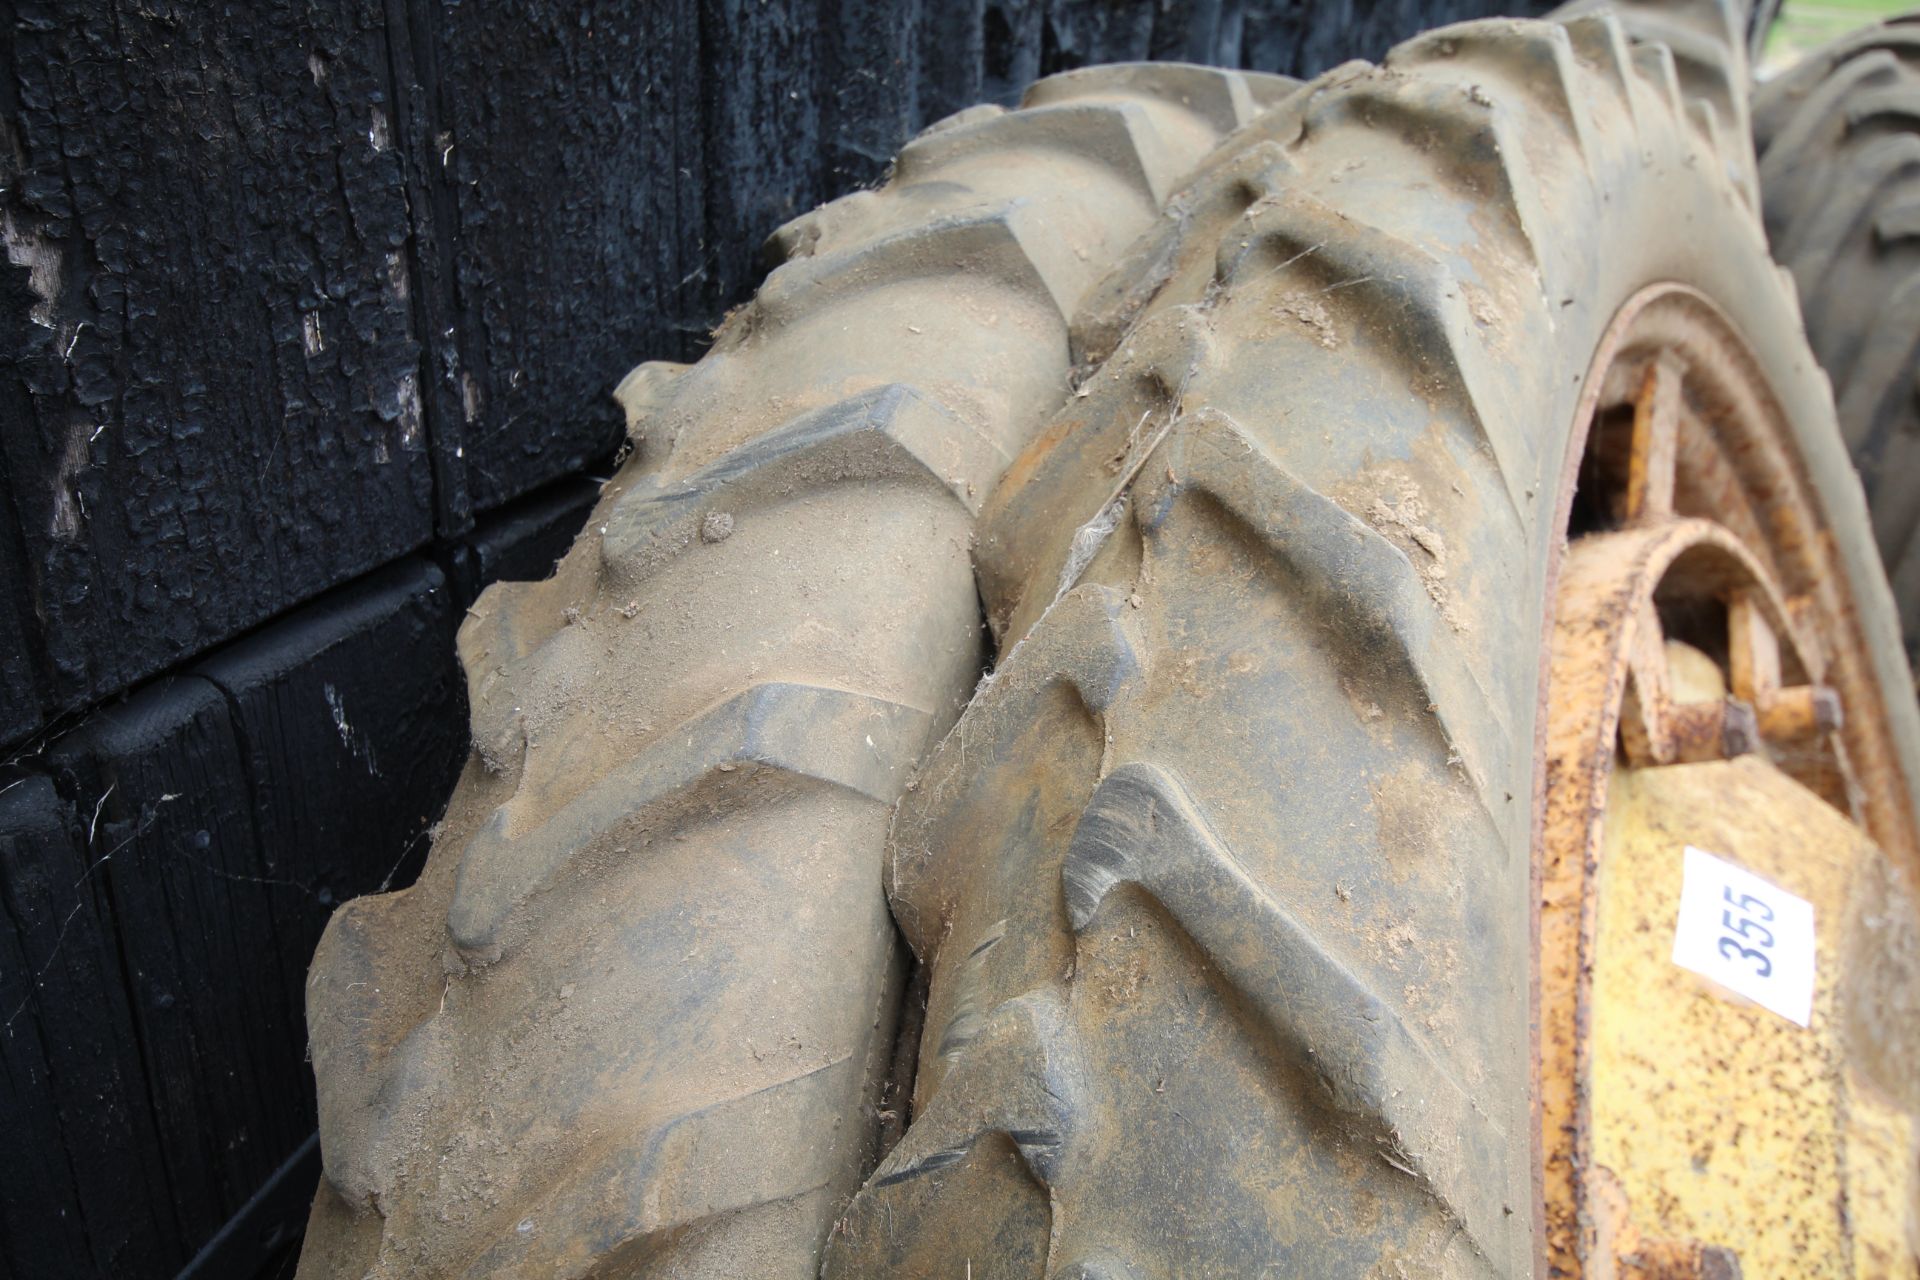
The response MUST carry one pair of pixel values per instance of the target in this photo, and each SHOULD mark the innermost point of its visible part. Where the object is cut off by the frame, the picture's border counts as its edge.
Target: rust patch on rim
(1685, 505)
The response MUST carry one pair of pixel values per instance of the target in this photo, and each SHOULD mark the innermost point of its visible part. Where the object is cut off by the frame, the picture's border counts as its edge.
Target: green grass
(1805, 25)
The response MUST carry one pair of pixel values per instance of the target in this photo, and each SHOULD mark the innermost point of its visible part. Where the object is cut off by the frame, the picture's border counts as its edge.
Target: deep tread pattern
(1195, 216)
(1032, 1106)
(1222, 880)
(1143, 829)
(1338, 273)
(667, 1185)
(1463, 142)
(998, 242)
(633, 1016)
(1657, 66)
(1358, 271)
(1706, 42)
(890, 433)
(1897, 105)
(1810, 136)
(1095, 656)
(1839, 141)
(1221, 103)
(1359, 586)
(1537, 61)
(1601, 43)
(1119, 137)
(826, 736)
(646, 387)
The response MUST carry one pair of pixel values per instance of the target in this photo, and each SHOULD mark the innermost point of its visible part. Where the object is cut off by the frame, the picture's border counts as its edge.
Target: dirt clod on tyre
(633, 1017)
(1224, 881)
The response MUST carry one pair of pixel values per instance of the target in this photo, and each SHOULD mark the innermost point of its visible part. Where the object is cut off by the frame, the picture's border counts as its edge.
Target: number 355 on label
(1747, 934)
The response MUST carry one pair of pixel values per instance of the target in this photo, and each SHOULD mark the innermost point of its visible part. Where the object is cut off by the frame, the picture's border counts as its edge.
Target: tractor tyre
(634, 1016)
(1224, 882)
(1839, 144)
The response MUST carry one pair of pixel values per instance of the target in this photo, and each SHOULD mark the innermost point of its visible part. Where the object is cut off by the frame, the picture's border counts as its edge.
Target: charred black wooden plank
(263, 1238)
(577, 172)
(22, 688)
(349, 717)
(219, 369)
(83, 1189)
(164, 810)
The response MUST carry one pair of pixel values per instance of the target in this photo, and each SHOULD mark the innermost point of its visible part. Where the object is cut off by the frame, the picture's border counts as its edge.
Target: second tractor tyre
(1839, 143)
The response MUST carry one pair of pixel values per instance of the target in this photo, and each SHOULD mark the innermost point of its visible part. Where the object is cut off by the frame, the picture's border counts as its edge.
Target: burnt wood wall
(309, 315)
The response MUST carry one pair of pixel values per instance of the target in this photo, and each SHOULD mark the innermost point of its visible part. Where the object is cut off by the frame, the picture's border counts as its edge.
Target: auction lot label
(1747, 934)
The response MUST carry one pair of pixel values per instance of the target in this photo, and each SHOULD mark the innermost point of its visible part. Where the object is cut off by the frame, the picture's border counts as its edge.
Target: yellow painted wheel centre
(1708, 689)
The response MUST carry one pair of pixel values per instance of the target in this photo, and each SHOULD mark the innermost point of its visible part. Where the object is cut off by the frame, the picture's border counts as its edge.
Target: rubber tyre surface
(632, 1018)
(1223, 882)
(1712, 44)
(1839, 143)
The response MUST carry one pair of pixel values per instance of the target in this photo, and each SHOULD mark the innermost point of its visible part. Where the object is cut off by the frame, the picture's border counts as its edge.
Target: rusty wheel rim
(1682, 484)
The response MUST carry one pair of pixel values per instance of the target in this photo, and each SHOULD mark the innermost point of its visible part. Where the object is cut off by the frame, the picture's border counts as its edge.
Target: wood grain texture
(219, 370)
(166, 868)
(158, 786)
(83, 1190)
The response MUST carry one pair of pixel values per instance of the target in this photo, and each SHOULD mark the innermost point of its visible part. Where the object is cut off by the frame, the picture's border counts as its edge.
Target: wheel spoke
(1656, 432)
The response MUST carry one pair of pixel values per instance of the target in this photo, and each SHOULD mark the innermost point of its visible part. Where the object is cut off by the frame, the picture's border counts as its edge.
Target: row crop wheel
(1459, 532)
